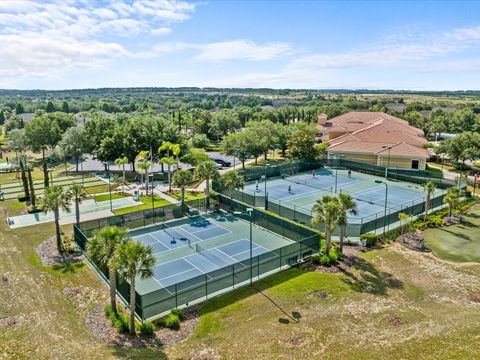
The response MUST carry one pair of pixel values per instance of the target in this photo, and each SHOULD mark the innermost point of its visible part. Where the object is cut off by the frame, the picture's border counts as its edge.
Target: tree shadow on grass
(368, 279)
(457, 234)
(69, 267)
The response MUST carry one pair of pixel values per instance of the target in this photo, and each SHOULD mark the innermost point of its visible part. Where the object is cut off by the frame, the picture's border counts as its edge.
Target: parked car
(222, 162)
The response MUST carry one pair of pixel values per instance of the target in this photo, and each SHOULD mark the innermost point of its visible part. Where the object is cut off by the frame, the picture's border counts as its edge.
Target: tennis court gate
(159, 302)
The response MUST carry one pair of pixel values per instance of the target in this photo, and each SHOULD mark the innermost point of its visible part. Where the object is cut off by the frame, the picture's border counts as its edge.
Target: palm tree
(232, 181)
(132, 259)
(429, 188)
(77, 192)
(326, 211)
(452, 199)
(54, 199)
(169, 160)
(347, 205)
(207, 170)
(145, 165)
(101, 249)
(182, 179)
(122, 161)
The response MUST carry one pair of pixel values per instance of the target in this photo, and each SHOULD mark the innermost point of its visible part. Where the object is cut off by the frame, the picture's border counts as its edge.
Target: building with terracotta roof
(375, 138)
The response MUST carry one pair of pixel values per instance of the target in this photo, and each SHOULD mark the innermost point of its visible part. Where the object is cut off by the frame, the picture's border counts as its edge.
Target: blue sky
(431, 45)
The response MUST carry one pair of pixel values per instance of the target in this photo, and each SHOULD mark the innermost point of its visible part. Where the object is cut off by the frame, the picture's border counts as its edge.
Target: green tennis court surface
(86, 207)
(304, 189)
(189, 248)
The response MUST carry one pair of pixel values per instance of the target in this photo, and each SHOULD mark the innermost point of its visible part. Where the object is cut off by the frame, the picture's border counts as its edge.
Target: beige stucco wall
(401, 162)
(363, 158)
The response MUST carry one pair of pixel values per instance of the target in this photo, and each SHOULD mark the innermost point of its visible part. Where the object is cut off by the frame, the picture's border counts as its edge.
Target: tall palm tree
(101, 249)
(169, 160)
(404, 222)
(182, 179)
(452, 199)
(207, 170)
(325, 211)
(133, 259)
(122, 161)
(232, 181)
(429, 188)
(78, 193)
(54, 199)
(347, 205)
(145, 165)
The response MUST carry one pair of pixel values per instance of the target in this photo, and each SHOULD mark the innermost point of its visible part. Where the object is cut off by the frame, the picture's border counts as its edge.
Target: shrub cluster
(171, 321)
(119, 320)
(369, 239)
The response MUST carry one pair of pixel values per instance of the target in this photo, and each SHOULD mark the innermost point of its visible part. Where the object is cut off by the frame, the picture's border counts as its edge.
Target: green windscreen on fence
(302, 243)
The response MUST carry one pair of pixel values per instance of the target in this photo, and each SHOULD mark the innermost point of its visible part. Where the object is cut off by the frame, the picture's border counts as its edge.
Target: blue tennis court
(163, 238)
(205, 261)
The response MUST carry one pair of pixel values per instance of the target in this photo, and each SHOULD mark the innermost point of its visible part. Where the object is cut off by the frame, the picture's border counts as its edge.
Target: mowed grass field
(457, 242)
(394, 304)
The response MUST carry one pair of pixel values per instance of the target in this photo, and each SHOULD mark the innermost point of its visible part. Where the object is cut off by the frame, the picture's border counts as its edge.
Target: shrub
(121, 324)
(325, 260)
(315, 259)
(172, 321)
(178, 312)
(334, 254)
(435, 220)
(369, 239)
(147, 328)
(107, 310)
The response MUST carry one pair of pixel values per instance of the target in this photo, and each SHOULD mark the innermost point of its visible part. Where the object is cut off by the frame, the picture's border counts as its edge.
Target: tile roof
(396, 149)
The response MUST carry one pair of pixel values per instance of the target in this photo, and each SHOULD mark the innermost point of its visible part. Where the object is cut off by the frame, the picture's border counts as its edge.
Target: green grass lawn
(189, 195)
(147, 205)
(393, 304)
(457, 242)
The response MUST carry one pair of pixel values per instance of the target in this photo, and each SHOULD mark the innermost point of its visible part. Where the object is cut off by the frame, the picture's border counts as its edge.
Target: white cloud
(226, 51)
(44, 38)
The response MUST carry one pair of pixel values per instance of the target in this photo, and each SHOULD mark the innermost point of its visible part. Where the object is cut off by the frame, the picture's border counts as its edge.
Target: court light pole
(16, 155)
(81, 164)
(386, 203)
(249, 212)
(388, 160)
(265, 193)
(109, 185)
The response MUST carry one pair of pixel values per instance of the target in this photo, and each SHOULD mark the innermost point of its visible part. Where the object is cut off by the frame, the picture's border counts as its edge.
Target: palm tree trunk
(327, 238)
(132, 305)
(207, 192)
(427, 205)
(76, 164)
(57, 230)
(183, 195)
(77, 210)
(146, 181)
(169, 179)
(123, 185)
(113, 289)
(342, 235)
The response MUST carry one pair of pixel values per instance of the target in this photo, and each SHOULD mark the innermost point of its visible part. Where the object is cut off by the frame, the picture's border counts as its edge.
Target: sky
(417, 45)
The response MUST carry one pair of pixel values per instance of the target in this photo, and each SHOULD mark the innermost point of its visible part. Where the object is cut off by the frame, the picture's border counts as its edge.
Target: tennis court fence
(149, 306)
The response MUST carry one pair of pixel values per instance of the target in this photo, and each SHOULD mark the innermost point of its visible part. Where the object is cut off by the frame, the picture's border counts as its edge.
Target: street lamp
(265, 193)
(386, 203)
(388, 160)
(16, 152)
(81, 164)
(249, 212)
(109, 186)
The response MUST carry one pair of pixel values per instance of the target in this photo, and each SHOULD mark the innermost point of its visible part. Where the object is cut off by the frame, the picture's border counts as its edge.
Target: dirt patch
(474, 297)
(11, 320)
(101, 327)
(205, 354)
(49, 255)
(396, 321)
(294, 340)
(320, 294)
(4, 280)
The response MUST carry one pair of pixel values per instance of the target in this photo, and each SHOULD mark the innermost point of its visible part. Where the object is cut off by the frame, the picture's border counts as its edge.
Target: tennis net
(311, 182)
(209, 253)
(175, 235)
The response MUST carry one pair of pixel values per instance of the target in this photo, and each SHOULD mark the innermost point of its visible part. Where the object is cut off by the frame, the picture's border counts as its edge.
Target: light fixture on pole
(386, 203)
(249, 212)
(388, 160)
(107, 167)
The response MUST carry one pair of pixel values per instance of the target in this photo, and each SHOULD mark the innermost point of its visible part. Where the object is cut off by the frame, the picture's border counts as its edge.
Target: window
(415, 164)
